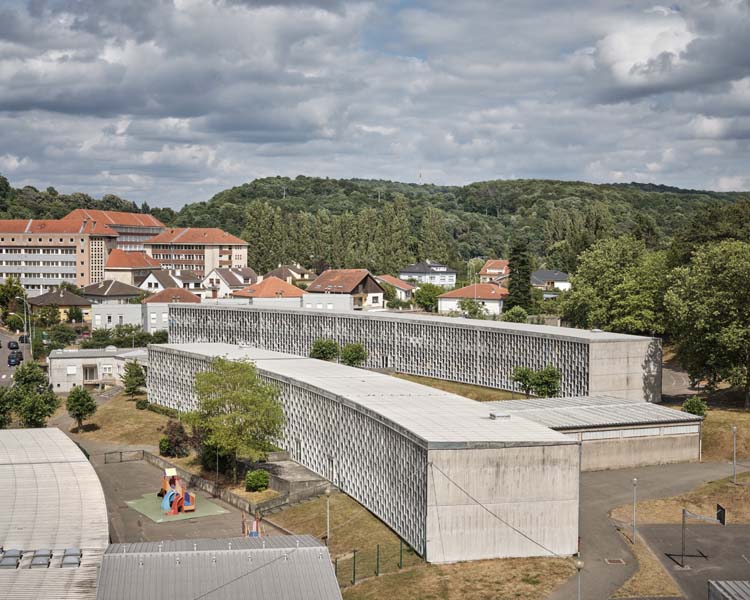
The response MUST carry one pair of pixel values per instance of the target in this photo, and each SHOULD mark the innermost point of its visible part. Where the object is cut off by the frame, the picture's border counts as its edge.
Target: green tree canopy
(515, 315)
(709, 312)
(80, 405)
(325, 349)
(426, 296)
(353, 355)
(519, 288)
(240, 414)
(473, 309)
(31, 397)
(133, 379)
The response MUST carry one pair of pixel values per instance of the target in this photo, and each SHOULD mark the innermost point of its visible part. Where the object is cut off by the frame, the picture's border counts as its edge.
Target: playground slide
(166, 503)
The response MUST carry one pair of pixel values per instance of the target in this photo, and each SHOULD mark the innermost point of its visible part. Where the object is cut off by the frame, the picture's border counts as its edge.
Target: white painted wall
(447, 305)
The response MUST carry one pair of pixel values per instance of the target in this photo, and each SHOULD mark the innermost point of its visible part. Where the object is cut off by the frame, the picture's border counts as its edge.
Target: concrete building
(129, 267)
(404, 289)
(111, 291)
(222, 283)
(107, 316)
(357, 283)
(478, 352)
(94, 367)
(279, 567)
(494, 271)
(53, 523)
(491, 296)
(132, 229)
(429, 272)
(42, 254)
(415, 456)
(155, 316)
(615, 433)
(197, 249)
(64, 301)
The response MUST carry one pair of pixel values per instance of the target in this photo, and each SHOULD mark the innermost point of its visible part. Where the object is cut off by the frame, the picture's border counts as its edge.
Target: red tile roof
(54, 226)
(480, 291)
(120, 259)
(396, 282)
(195, 235)
(113, 217)
(338, 281)
(270, 287)
(495, 267)
(172, 295)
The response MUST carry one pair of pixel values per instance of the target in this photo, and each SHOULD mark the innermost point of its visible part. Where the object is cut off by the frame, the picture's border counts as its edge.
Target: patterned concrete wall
(474, 352)
(382, 467)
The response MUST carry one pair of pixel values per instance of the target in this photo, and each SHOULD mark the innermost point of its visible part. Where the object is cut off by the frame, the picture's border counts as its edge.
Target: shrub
(517, 314)
(81, 405)
(256, 481)
(325, 349)
(142, 404)
(695, 406)
(353, 355)
(177, 439)
(164, 445)
(162, 410)
(209, 461)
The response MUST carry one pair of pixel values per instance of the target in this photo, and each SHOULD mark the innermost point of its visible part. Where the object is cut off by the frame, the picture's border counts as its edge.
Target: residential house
(429, 272)
(98, 367)
(272, 290)
(64, 301)
(44, 253)
(132, 229)
(293, 274)
(129, 267)
(357, 283)
(111, 292)
(490, 295)
(156, 307)
(107, 316)
(550, 282)
(404, 289)
(494, 270)
(158, 281)
(221, 283)
(197, 249)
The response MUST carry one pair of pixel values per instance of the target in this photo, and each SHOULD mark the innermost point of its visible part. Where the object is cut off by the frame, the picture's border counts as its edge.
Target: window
(107, 370)
(165, 317)
(376, 299)
(109, 319)
(98, 320)
(153, 318)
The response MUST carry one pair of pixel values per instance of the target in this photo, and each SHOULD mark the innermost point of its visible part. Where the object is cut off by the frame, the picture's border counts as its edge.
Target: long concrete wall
(468, 351)
(601, 455)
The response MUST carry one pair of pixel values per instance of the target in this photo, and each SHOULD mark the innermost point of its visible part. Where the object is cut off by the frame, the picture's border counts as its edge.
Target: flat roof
(135, 353)
(437, 419)
(578, 335)
(51, 499)
(584, 412)
(273, 568)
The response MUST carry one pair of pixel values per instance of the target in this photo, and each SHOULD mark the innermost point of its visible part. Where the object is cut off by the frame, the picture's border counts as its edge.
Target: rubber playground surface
(150, 505)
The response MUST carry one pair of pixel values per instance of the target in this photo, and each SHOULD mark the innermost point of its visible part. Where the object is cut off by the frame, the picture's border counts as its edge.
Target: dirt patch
(475, 392)
(651, 580)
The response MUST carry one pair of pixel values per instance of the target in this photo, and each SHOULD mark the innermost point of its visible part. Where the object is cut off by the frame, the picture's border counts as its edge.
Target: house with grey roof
(111, 291)
(429, 272)
(223, 282)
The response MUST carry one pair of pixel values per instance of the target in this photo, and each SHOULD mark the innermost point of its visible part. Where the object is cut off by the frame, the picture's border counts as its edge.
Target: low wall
(601, 455)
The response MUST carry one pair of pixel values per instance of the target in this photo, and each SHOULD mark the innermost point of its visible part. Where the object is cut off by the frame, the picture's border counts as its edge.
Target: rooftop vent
(495, 416)
(9, 562)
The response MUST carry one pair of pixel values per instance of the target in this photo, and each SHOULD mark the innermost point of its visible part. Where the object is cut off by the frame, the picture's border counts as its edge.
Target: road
(6, 372)
(602, 491)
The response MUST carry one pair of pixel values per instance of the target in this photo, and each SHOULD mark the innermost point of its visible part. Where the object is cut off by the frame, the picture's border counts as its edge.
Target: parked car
(24, 339)
(13, 345)
(18, 354)
(13, 360)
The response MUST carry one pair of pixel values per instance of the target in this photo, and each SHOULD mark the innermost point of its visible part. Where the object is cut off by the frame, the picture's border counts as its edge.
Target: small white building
(489, 295)
(222, 283)
(107, 316)
(158, 281)
(494, 271)
(364, 290)
(429, 272)
(404, 289)
(156, 308)
(550, 282)
(98, 367)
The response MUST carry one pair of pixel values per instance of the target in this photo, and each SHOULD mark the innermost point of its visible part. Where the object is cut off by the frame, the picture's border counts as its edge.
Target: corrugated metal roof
(280, 571)
(434, 418)
(729, 590)
(51, 499)
(592, 411)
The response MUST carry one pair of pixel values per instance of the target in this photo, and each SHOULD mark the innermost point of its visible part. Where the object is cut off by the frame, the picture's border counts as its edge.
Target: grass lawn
(119, 421)
(717, 434)
(651, 580)
(475, 392)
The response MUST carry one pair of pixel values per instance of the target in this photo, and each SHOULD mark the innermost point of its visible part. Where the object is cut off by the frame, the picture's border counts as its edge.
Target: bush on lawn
(256, 481)
(141, 404)
(164, 445)
(695, 406)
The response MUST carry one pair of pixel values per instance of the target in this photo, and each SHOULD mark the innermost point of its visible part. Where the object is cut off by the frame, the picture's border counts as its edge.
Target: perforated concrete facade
(377, 437)
(469, 351)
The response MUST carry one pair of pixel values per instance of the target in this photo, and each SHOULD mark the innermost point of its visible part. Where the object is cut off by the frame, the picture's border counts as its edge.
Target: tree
(524, 377)
(546, 382)
(389, 292)
(426, 296)
(241, 415)
(353, 355)
(519, 288)
(708, 307)
(695, 406)
(133, 379)
(70, 287)
(7, 404)
(75, 314)
(31, 397)
(11, 289)
(325, 349)
(515, 315)
(473, 309)
(61, 335)
(435, 240)
(47, 316)
(80, 405)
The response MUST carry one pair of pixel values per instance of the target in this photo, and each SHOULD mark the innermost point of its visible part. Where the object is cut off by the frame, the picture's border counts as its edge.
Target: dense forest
(381, 225)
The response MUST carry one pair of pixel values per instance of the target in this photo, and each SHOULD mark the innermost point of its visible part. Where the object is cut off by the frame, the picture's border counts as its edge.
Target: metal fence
(363, 563)
(119, 456)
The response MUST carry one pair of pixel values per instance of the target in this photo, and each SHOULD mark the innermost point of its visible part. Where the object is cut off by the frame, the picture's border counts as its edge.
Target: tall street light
(635, 488)
(579, 568)
(328, 516)
(27, 312)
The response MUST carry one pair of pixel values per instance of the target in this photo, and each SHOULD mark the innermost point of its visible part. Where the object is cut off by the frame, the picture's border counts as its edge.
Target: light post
(734, 454)
(29, 333)
(579, 568)
(635, 493)
(328, 515)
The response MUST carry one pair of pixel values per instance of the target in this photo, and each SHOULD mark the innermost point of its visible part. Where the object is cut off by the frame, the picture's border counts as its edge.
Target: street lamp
(734, 454)
(328, 515)
(579, 568)
(635, 488)
(29, 333)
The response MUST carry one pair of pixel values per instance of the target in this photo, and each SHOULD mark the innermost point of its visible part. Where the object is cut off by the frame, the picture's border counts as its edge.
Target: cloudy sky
(170, 101)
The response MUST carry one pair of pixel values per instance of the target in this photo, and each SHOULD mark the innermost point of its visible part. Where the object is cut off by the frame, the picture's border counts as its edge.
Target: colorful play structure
(175, 496)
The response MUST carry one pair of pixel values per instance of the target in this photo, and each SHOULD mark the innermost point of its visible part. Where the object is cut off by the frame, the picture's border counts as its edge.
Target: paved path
(604, 490)
(6, 372)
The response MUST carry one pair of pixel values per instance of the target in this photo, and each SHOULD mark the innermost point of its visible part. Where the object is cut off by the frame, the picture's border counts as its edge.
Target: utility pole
(734, 454)
(328, 516)
(635, 488)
